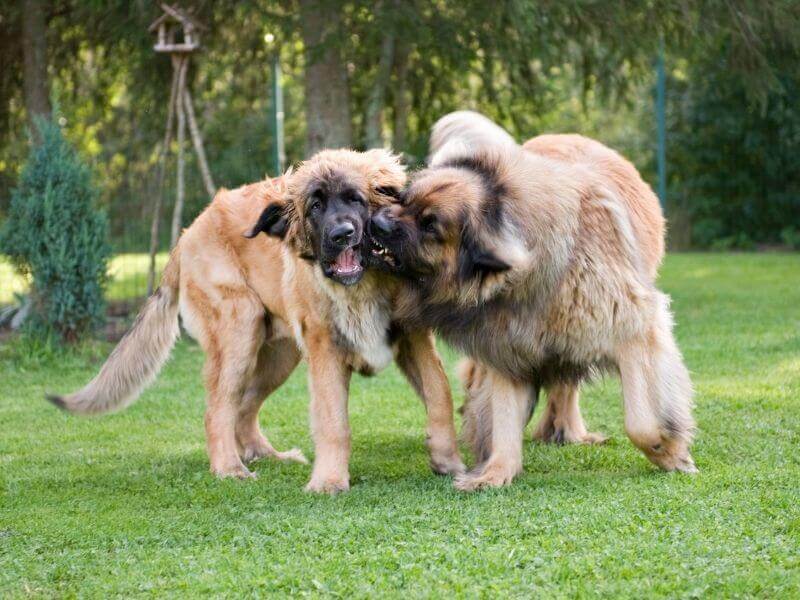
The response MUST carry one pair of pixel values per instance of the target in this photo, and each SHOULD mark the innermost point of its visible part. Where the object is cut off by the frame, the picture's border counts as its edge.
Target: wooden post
(179, 196)
(661, 127)
(197, 140)
(162, 169)
(175, 20)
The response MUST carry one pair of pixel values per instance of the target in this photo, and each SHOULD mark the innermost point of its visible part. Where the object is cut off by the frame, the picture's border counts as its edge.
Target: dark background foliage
(535, 66)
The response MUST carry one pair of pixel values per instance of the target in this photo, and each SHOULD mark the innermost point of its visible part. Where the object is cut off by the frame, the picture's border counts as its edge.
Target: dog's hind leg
(417, 358)
(509, 407)
(276, 361)
(231, 338)
(561, 421)
(657, 395)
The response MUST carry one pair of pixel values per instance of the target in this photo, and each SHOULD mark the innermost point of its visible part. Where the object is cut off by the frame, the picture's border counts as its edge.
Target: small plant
(55, 233)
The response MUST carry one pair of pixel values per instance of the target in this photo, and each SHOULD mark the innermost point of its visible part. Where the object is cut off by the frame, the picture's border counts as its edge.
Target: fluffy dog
(542, 270)
(463, 132)
(256, 307)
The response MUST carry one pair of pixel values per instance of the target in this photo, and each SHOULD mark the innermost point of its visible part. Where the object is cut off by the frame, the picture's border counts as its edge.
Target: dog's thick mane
(493, 186)
(359, 315)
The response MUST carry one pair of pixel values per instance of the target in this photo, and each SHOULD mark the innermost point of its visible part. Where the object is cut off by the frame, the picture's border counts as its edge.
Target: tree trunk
(326, 86)
(401, 104)
(377, 97)
(34, 51)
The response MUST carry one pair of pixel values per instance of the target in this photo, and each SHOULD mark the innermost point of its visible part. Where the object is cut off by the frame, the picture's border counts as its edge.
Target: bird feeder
(177, 31)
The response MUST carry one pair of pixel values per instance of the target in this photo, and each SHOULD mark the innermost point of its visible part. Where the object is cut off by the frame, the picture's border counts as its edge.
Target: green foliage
(790, 236)
(55, 234)
(735, 165)
(577, 65)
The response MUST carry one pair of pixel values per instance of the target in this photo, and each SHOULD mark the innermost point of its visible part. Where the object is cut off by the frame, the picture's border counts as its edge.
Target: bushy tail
(462, 133)
(476, 430)
(138, 357)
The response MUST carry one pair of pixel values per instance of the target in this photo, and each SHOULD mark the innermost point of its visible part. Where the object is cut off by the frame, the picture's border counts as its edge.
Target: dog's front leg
(417, 358)
(509, 402)
(329, 380)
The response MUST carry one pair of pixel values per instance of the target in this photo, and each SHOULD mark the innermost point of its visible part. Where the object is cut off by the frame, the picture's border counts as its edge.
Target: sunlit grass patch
(127, 272)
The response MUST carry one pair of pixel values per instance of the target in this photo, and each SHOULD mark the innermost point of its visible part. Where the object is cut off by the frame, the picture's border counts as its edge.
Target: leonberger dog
(561, 422)
(540, 264)
(257, 304)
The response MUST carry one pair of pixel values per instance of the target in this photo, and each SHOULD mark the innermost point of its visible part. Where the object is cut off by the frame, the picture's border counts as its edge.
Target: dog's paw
(487, 477)
(684, 464)
(258, 450)
(234, 471)
(449, 464)
(328, 485)
(592, 438)
(672, 455)
(561, 436)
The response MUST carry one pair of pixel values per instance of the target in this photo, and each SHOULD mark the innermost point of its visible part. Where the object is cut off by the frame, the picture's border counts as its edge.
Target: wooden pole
(279, 150)
(179, 196)
(661, 127)
(197, 140)
(162, 169)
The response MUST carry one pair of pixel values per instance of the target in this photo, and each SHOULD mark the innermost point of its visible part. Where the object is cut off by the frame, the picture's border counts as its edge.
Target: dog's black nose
(381, 222)
(342, 234)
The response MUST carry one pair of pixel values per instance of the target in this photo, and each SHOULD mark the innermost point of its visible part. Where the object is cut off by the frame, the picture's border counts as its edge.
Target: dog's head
(450, 230)
(328, 202)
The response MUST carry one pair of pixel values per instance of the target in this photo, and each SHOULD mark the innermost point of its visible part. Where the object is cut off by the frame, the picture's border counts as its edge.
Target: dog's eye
(391, 192)
(315, 201)
(356, 197)
(429, 224)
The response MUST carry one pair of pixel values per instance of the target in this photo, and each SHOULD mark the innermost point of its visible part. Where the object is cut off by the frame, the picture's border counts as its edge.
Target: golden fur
(561, 421)
(256, 307)
(542, 269)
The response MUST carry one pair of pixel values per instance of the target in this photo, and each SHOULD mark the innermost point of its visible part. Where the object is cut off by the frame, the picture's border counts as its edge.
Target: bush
(733, 164)
(55, 234)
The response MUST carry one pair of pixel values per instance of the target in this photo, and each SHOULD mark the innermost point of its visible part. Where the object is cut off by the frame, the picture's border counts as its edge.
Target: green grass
(127, 272)
(124, 505)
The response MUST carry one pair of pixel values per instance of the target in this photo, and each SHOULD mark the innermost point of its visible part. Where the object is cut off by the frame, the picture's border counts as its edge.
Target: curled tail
(476, 411)
(138, 357)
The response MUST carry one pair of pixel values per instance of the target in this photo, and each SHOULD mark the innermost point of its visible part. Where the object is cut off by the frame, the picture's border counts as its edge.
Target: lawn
(124, 505)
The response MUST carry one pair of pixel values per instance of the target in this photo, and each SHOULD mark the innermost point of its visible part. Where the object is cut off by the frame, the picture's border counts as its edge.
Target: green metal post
(278, 149)
(661, 120)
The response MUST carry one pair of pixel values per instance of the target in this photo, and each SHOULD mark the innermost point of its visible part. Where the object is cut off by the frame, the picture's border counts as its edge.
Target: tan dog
(464, 131)
(256, 307)
(543, 271)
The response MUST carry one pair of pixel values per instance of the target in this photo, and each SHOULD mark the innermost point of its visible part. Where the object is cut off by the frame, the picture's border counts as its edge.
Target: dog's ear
(474, 260)
(272, 221)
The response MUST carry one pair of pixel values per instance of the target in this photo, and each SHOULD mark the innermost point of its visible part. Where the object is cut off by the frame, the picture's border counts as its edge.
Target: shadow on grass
(393, 464)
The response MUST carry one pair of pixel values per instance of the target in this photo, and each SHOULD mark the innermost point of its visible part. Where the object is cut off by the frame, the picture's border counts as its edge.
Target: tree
(34, 51)
(327, 94)
(56, 235)
(522, 62)
(733, 164)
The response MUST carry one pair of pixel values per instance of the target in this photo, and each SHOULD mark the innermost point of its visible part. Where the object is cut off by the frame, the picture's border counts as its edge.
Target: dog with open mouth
(542, 269)
(342, 307)
(257, 305)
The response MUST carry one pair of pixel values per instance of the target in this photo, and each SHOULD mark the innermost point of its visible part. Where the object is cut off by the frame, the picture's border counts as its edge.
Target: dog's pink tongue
(346, 261)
